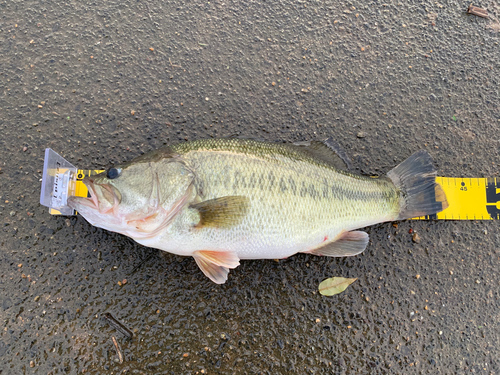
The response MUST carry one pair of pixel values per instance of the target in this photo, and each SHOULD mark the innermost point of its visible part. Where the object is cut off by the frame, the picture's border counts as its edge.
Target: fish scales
(223, 200)
(296, 200)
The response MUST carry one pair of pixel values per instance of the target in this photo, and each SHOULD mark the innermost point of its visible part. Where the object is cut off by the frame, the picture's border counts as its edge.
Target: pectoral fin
(348, 244)
(222, 212)
(216, 264)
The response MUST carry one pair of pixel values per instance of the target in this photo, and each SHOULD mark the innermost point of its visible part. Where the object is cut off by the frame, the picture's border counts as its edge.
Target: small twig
(118, 350)
(480, 12)
(174, 66)
(118, 326)
(149, 13)
(143, 262)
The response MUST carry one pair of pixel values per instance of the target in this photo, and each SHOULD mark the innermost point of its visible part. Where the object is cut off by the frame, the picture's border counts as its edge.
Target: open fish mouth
(107, 194)
(90, 201)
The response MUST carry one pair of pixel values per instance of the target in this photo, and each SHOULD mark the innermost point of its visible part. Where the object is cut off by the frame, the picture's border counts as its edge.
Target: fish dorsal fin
(222, 212)
(328, 151)
(216, 264)
(348, 244)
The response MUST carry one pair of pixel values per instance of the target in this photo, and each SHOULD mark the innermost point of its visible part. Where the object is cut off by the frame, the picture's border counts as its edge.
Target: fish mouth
(93, 196)
(105, 201)
(90, 201)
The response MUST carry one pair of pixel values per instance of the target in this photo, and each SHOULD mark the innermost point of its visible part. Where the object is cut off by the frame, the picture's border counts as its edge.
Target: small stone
(132, 112)
(119, 283)
(124, 281)
(318, 320)
(440, 332)
(418, 277)
(40, 106)
(19, 265)
(37, 298)
(426, 308)
(361, 135)
(415, 238)
(451, 272)
(12, 213)
(185, 355)
(32, 363)
(25, 149)
(273, 83)
(151, 49)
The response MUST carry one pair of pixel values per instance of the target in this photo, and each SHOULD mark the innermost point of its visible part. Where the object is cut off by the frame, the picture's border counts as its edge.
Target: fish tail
(420, 194)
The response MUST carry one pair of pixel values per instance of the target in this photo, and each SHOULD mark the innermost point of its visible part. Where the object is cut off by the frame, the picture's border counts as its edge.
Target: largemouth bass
(223, 200)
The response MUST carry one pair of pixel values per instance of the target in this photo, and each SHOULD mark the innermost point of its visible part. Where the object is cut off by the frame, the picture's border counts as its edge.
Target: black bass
(223, 200)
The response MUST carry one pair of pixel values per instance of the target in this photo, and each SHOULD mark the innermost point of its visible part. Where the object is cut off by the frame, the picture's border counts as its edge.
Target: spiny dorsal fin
(348, 244)
(327, 151)
(222, 212)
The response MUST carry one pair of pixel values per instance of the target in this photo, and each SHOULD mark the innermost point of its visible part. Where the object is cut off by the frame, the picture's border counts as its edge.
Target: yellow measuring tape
(468, 198)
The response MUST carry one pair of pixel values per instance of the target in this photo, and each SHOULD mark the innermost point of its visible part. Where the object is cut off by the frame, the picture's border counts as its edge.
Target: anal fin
(348, 244)
(216, 264)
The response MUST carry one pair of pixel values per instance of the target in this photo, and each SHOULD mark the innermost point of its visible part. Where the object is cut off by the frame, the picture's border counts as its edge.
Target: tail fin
(416, 180)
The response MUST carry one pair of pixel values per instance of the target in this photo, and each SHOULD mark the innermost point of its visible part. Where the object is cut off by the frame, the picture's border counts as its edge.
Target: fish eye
(113, 173)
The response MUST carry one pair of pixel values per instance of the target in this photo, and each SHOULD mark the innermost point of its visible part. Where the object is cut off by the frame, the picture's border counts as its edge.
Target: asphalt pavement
(103, 82)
